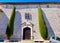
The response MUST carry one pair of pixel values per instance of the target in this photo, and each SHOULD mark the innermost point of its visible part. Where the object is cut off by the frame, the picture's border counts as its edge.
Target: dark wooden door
(26, 33)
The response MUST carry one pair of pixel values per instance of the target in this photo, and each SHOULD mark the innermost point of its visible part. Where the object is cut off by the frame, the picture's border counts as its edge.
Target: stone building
(26, 19)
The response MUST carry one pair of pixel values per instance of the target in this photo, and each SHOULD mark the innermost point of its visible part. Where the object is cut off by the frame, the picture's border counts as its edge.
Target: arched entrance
(26, 33)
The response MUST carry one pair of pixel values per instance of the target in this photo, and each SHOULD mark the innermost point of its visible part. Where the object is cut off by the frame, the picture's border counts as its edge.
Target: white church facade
(26, 25)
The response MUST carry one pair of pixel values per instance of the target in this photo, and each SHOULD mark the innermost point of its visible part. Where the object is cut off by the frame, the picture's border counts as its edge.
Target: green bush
(10, 26)
(42, 25)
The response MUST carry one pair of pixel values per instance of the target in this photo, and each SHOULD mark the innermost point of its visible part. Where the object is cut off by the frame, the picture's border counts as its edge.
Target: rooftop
(28, 3)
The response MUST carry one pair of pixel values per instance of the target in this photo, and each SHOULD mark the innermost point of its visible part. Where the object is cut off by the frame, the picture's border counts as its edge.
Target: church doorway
(26, 33)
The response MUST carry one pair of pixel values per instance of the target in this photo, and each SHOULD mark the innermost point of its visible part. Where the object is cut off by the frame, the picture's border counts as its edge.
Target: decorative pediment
(27, 24)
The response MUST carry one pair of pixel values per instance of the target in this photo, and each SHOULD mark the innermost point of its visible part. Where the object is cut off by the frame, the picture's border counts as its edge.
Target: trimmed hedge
(10, 26)
(42, 25)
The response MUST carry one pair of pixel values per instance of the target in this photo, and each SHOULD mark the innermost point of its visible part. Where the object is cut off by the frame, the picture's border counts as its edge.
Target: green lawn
(42, 25)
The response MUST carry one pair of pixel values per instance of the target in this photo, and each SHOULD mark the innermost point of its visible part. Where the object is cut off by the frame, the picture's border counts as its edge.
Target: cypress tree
(10, 26)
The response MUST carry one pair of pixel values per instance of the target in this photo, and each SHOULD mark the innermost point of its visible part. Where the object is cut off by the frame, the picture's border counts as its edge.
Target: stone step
(27, 41)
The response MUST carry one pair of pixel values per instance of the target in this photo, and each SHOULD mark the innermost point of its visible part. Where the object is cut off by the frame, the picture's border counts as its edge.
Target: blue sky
(29, 0)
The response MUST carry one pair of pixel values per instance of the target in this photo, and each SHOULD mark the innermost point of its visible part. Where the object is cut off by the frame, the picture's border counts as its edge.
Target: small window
(28, 16)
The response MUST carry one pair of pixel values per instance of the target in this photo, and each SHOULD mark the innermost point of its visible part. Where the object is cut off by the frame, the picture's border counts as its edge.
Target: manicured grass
(42, 25)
